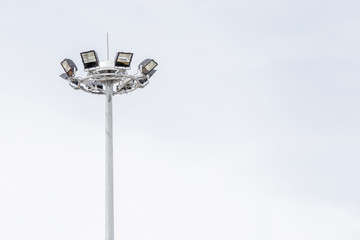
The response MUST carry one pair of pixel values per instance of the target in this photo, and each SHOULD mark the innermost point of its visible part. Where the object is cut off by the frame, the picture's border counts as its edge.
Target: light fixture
(89, 59)
(148, 66)
(123, 59)
(108, 78)
(69, 67)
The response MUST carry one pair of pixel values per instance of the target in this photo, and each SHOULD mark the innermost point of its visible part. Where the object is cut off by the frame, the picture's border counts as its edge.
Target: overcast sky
(248, 130)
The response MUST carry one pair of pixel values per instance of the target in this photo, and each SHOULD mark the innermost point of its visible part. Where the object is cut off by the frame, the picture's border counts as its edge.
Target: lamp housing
(69, 67)
(148, 66)
(123, 59)
(90, 59)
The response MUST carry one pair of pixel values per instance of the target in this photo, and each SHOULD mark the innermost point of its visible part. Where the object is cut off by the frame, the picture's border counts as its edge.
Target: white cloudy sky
(249, 129)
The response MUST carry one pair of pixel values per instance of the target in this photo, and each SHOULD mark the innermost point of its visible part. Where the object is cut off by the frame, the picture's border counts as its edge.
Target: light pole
(108, 78)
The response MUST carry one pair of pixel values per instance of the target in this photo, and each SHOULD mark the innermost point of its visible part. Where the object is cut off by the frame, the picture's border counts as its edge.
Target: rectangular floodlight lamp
(89, 59)
(149, 67)
(69, 67)
(123, 59)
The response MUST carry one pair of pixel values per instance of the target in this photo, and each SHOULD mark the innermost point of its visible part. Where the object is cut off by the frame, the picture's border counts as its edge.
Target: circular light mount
(100, 73)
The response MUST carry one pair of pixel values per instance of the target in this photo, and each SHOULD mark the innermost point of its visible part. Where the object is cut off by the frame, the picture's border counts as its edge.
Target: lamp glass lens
(124, 59)
(88, 57)
(150, 66)
(66, 66)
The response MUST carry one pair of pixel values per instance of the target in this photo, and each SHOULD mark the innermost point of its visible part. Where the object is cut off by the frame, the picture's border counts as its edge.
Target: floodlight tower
(108, 78)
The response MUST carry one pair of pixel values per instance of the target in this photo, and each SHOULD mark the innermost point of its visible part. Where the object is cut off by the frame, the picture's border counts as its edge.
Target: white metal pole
(109, 188)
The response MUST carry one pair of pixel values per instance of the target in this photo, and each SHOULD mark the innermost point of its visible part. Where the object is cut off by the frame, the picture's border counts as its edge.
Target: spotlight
(123, 59)
(69, 67)
(148, 66)
(89, 59)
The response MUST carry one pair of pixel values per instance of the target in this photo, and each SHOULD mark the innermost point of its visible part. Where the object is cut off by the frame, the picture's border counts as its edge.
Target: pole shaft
(109, 188)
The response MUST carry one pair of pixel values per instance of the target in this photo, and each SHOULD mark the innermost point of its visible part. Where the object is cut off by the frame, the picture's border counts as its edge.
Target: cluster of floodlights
(98, 73)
